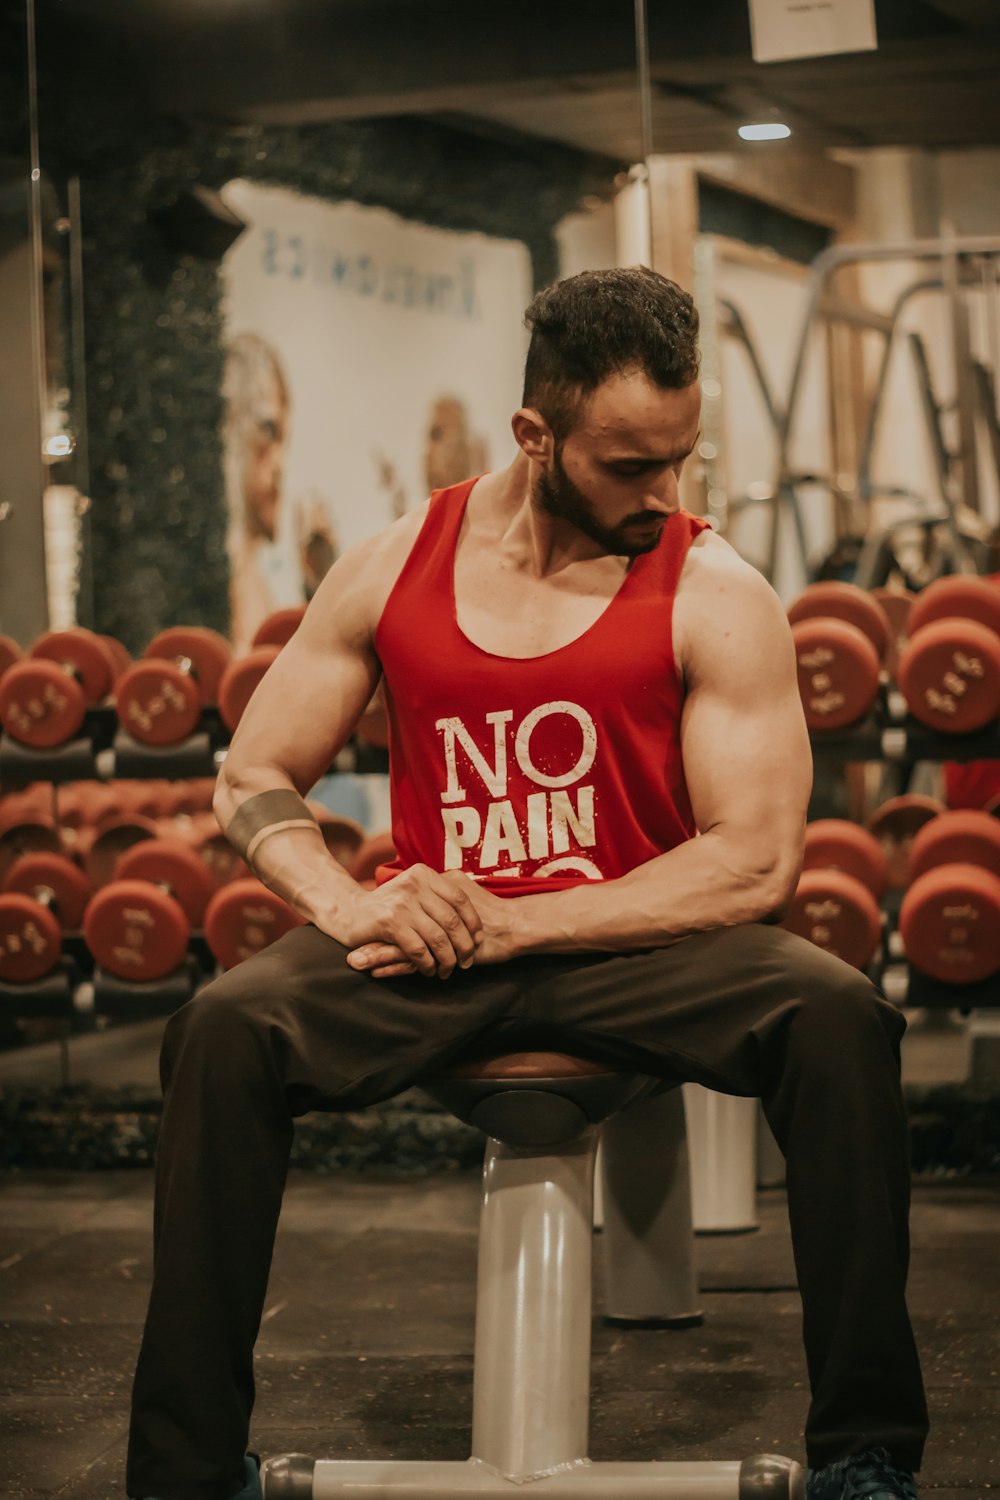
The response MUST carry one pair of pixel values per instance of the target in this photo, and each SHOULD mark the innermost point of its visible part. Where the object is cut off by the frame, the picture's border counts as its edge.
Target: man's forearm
(275, 832)
(702, 884)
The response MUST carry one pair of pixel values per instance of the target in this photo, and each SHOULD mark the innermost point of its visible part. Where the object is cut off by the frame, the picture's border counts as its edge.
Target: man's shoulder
(713, 565)
(721, 595)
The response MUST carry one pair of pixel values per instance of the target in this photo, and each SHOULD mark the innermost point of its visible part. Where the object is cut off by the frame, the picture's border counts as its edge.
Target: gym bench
(542, 1113)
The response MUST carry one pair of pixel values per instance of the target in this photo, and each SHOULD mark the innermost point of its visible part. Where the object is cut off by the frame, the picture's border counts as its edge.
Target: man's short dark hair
(603, 323)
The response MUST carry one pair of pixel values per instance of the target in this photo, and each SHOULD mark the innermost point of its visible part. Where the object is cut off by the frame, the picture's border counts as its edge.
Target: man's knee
(224, 1024)
(841, 1009)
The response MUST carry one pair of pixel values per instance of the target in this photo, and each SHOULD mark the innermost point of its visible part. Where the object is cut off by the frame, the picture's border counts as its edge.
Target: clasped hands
(425, 922)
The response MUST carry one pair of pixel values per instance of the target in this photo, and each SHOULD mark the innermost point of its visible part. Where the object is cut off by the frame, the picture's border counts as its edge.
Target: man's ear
(533, 435)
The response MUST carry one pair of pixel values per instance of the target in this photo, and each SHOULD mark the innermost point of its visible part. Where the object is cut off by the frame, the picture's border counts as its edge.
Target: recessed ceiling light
(764, 132)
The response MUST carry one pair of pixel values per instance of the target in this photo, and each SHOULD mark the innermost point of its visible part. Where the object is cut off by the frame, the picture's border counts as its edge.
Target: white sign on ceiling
(810, 28)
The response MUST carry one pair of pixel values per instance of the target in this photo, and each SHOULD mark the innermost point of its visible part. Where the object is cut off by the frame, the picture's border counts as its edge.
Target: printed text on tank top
(531, 772)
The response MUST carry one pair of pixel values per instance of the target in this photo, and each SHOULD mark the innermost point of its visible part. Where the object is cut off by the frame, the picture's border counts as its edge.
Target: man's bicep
(745, 746)
(313, 694)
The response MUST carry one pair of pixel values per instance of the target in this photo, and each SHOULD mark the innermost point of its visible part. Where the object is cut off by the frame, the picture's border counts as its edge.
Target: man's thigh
(703, 1009)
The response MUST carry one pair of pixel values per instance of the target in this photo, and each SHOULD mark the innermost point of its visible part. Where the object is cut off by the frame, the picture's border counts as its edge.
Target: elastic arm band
(269, 812)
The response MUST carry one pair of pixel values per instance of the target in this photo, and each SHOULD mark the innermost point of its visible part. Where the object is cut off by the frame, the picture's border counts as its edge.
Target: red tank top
(531, 774)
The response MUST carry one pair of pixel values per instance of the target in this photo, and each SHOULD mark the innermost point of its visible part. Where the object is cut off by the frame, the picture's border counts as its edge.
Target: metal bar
(81, 466)
(867, 448)
(644, 81)
(961, 353)
(343, 1480)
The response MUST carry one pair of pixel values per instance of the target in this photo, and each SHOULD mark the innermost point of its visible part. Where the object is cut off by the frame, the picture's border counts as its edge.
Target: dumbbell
(949, 671)
(895, 824)
(244, 918)
(376, 850)
(842, 637)
(949, 919)
(279, 627)
(10, 652)
(100, 848)
(240, 681)
(159, 700)
(836, 904)
(44, 698)
(25, 829)
(139, 924)
(44, 895)
(896, 604)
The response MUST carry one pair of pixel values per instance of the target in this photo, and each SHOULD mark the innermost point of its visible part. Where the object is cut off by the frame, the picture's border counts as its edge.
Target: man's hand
(385, 958)
(426, 920)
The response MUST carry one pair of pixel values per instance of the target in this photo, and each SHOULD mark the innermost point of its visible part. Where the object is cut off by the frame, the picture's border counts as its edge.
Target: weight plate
(207, 651)
(376, 850)
(244, 918)
(158, 703)
(968, 838)
(240, 683)
(959, 596)
(135, 930)
(895, 824)
(342, 836)
(168, 862)
(110, 843)
(950, 923)
(24, 835)
(845, 601)
(120, 659)
(10, 652)
(30, 939)
(279, 627)
(41, 704)
(836, 913)
(835, 844)
(949, 675)
(896, 604)
(838, 672)
(85, 653)
(54, 873)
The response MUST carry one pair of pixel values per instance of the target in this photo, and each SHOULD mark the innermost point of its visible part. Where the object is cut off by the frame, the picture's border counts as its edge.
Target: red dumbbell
(279, 627)
(244, 918)
(949, 919)
(43, 699)
(376, 850)
(842, 637)
(342, 836)
(949, 672)
(10, 652)
(100, 848)
(895, 824)
(240, 681)
(896, 604)
(25, 830)
(159, 700)
(843, 878)
(139, 925)
(43, 895)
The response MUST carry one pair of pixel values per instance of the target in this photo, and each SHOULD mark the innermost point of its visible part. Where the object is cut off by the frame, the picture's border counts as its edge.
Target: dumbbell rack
(103, 752)
(890, 734)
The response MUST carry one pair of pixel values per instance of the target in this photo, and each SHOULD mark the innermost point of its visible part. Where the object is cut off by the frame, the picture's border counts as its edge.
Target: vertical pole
(531, 1391)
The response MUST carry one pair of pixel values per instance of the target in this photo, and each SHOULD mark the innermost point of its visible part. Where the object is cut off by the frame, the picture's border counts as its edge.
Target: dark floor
(367, 1336)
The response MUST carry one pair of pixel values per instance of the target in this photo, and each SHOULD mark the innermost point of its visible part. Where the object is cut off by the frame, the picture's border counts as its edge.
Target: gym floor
(366, 1345)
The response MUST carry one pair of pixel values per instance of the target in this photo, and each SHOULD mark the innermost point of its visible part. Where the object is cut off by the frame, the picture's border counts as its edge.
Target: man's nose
(661, 496)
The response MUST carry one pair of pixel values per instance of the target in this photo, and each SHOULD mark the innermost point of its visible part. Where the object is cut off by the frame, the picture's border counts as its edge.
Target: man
(578, 676)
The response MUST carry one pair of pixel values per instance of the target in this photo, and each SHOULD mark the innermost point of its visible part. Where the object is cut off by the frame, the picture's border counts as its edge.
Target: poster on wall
(369, 360)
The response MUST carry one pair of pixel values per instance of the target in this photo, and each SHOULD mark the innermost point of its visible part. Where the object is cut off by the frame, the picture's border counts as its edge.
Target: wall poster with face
(369, 361)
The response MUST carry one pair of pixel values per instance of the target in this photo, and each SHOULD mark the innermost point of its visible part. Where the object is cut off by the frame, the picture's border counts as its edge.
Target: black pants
(749, 1010)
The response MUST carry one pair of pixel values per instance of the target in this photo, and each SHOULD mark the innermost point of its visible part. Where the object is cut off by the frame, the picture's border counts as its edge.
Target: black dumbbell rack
(889, 733)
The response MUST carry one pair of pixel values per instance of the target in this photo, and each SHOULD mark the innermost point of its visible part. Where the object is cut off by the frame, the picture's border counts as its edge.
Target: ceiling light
(764, 132)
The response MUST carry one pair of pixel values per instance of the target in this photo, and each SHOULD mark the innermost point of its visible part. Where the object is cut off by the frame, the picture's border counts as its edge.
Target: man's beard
(559, 497)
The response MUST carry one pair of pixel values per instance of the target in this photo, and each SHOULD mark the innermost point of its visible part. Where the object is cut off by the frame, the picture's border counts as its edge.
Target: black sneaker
(252, 1488)
(863, 1476)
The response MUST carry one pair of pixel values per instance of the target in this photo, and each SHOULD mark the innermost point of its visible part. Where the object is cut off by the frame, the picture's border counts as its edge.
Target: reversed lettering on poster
(545, 828)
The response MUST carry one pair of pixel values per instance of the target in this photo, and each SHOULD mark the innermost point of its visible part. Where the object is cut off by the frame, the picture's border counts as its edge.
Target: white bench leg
(650, 1276)
(722, 1138)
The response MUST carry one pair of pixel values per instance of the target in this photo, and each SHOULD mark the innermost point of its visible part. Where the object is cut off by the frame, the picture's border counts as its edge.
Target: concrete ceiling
(559, 69)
